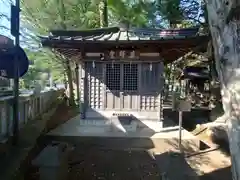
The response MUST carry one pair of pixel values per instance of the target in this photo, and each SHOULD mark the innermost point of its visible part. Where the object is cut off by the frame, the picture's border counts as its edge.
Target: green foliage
(45, 15)
(170, 10)
(133, 12)
(42, 64)
(39, 17)
(184, 13)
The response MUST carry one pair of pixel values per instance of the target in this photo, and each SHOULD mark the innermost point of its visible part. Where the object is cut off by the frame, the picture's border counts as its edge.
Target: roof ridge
(84, 33)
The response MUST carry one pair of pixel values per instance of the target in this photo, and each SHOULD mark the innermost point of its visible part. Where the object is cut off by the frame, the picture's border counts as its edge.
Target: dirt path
(88, 162)
(214, 164)
(95, 163)
(108, 164)
(62, 114)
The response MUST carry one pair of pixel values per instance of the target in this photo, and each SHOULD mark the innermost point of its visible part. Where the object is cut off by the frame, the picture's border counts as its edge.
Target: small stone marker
(53, 162)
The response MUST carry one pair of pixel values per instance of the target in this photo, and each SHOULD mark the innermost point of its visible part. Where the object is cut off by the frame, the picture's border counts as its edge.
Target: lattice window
(113, 74)
(151, 77)
(130, 77)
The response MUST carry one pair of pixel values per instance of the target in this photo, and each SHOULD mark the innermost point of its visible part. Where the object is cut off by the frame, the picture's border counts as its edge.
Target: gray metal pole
(16, 81)
(180, 130)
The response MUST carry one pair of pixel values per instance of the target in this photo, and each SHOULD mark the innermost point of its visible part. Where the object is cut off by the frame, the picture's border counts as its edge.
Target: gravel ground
(103, 164)
(89, 162)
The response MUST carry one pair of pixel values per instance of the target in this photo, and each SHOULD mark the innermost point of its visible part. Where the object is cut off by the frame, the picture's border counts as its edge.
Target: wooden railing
(30, 107)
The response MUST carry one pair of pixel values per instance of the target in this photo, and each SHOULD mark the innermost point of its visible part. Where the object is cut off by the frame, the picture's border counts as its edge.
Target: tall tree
(103, 12)
(225, 30)
(181, 12)
(42, 62)
(135, 13)
(62, 14)
(40, 17)
(170, 10)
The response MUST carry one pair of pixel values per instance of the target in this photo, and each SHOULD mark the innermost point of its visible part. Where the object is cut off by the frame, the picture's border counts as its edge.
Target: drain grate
(124, 118)
(121, 114)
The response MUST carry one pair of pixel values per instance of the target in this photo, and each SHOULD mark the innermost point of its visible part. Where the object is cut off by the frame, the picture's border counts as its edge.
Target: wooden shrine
(121, 70)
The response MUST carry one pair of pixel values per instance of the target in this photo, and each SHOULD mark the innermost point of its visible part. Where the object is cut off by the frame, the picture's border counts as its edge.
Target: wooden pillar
(139, 85)
(168, 78)
(162, 82)
(104, 105)
(77, 83)
(82, 79)
(121, 85)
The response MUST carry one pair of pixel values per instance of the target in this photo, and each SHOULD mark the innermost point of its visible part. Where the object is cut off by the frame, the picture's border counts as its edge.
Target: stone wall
(30, 107)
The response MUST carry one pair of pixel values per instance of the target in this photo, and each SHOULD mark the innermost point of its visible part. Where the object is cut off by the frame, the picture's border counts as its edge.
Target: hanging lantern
(112, 54)
(150, 66)
(101, 57)
(122, 54)
(130, 66)
(127, 54)
(132, 54)
(112, 64)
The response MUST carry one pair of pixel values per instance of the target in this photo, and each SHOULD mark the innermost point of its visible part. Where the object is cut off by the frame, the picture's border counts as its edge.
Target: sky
(5, 9)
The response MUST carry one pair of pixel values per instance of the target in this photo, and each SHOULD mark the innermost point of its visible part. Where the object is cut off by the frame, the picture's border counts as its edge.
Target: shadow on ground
(174, 166)
(95, 164)
(207, 164)
(220, 174)
(116, 159)
(91, 161)
(60, 116)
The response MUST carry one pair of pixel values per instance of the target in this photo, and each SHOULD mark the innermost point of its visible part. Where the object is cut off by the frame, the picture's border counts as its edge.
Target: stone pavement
(190, 165)
(109, 128)
(28, 136)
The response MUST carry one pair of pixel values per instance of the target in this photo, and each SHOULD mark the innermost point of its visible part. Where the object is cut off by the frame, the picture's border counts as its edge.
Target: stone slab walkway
(15, 155)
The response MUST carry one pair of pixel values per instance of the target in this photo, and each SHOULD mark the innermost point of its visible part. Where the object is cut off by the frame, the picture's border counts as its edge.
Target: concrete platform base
(76, 124)
(113, 134)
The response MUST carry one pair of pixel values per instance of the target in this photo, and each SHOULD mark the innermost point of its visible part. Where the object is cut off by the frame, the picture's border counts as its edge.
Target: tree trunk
(103, 12)
(224, 25)
(215, 92)
(70, 83)
(63, 15)
(65, 80)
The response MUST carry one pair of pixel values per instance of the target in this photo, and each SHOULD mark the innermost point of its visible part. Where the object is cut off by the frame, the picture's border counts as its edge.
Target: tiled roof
(172, 43)
(117, 34)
